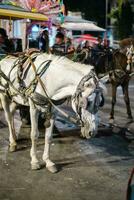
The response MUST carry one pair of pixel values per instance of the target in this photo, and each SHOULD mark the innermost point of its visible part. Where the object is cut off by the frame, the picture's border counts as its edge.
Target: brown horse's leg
(114, 89)
(126, 99)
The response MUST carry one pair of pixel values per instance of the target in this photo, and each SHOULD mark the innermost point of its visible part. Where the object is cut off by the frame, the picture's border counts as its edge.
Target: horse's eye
(87, 84)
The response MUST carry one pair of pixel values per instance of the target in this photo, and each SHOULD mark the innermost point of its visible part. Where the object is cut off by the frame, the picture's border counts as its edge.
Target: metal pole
(106, 7)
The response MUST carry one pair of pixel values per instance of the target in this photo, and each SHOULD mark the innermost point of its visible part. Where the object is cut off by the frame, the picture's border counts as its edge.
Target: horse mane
(65, 61)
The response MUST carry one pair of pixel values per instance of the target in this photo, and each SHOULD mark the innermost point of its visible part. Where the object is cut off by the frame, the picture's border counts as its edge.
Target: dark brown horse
(114, 63)
(119, 76)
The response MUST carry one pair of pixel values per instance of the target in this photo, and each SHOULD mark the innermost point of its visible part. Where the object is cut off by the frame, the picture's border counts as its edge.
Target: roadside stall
(80, 30)
(11, 14)
(20, 16)
(82, 26)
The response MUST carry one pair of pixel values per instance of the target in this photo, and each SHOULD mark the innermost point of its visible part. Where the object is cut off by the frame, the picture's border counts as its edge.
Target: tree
(90, 9)
(123, 16)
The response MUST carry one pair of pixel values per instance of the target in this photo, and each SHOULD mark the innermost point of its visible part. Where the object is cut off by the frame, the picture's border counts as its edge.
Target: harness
(28, 90)
(130, 57)
(47, 102)
(23, 90)
(78, 95)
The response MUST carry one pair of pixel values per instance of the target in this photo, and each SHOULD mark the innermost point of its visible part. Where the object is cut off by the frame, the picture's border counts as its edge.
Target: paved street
(97, 169)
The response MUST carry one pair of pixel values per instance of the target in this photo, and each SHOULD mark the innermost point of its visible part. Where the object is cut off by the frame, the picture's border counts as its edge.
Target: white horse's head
(86, 102)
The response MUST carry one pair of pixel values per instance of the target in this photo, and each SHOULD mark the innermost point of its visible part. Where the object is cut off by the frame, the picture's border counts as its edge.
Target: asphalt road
(97, 169)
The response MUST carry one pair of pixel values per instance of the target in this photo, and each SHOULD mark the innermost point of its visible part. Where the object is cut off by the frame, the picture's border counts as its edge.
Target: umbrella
(86, 37)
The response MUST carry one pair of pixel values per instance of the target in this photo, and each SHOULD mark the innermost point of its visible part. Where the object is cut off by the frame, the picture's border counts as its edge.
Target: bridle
(130, 57)
(77, 97)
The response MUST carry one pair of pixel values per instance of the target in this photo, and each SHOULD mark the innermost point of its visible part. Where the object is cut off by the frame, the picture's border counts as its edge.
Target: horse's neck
(64, 84)
(101, 66)
(120, 61)
(62, 78)
(7, 64)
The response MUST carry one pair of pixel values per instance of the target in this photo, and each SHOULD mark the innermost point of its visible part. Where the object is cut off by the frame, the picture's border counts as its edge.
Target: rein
(130, 57)
(70, 118)
(23, 91)
(79, 91)
(10, 83)
(26, 92)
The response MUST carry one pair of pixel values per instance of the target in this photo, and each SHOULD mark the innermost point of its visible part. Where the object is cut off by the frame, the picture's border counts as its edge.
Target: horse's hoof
(53, 169)
(111, 121)
(12, 148)
(35, 166)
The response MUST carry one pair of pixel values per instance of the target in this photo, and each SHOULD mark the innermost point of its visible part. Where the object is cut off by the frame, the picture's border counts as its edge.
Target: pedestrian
(97, 51)
(86, 45)
(2, 45)
(79, 48)
(59, 48)
(69, 47)
(99, 46)
(44, 41)
(6, 46)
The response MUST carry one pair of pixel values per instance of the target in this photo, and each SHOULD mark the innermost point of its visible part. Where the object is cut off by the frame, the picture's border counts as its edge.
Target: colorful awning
(82, 27)
(20, 14)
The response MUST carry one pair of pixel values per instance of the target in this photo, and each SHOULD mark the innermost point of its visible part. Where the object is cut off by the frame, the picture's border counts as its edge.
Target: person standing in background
(63, 46)
(59, 48)
(69, 48)
(6, 46)
(44, 41)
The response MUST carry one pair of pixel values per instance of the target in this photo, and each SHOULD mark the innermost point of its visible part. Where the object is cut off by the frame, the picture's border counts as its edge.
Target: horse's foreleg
(13, 106)
(9, 109)
(46, 155)
(34, 113)
(126, 99)
(114, 89)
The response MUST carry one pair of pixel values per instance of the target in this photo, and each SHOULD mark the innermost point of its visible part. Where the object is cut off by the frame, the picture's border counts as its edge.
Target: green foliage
(114, 13)
(92, 10)
(123, 16)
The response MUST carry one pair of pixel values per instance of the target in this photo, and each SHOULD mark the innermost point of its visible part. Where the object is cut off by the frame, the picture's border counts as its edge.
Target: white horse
(63, 78)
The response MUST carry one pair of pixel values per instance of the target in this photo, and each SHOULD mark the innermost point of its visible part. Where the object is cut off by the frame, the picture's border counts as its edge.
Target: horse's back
(7, 63)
